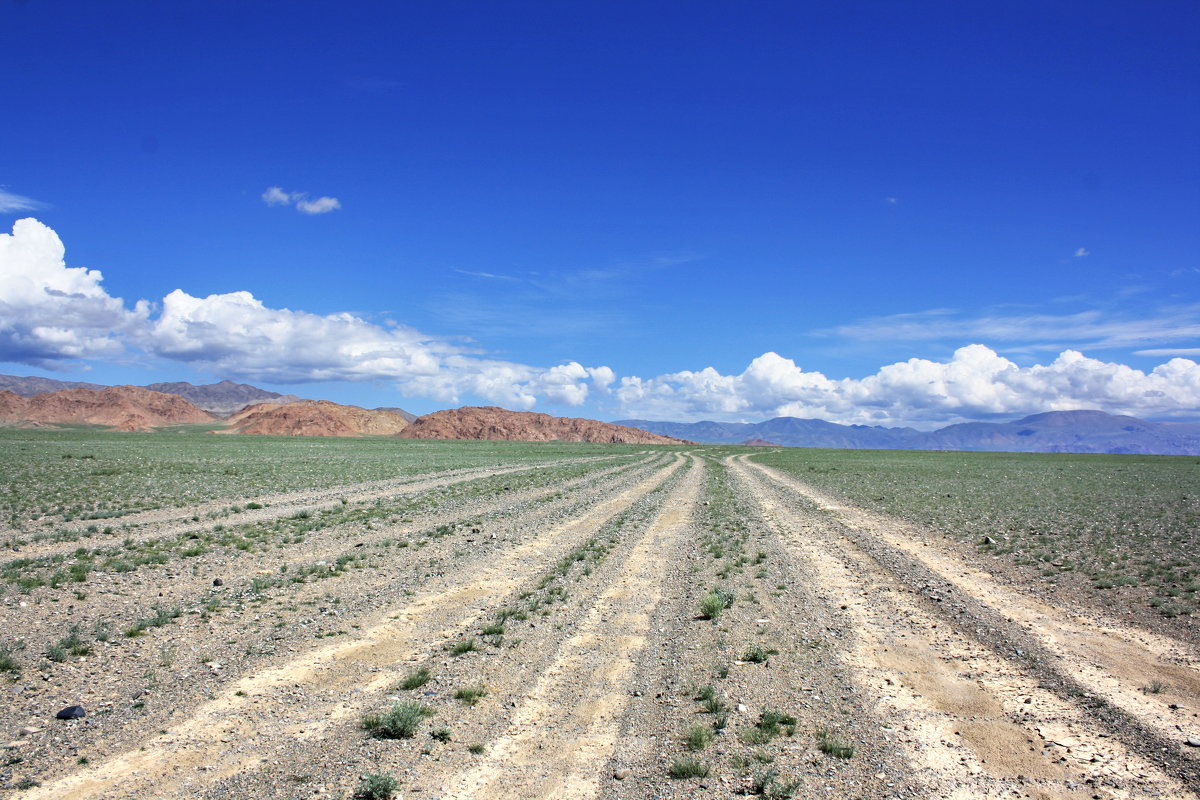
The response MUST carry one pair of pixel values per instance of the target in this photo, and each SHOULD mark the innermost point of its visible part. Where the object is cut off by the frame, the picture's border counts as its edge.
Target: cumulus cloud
(977, 383)
(1081, 252)
(50, 312)
(276, 196)
(10, 202)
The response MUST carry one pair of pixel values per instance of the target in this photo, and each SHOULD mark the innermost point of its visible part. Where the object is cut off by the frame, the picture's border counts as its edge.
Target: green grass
(758, 654)
(8, 661)
(90, 474)
(830, 745)
(401, 721)
(376, 786)
(1115, 521)
(470, 695)
(415, 679)
(688, 767)
(698, 737)
(463, 647)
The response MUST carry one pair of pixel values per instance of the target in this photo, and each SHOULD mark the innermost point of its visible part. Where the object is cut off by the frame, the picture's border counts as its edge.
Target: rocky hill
(123, 408)
(498, 424)
(314, 418)
(1050, 432)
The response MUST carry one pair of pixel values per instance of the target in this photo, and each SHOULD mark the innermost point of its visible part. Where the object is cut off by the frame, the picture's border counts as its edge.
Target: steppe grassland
(57, 482)
(51, 476)
(1121, 527)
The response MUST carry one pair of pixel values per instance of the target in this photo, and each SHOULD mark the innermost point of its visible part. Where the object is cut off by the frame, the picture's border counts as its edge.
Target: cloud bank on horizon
(52, 315)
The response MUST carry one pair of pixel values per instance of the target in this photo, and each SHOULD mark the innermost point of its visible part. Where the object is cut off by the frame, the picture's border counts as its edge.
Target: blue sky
(891, 213)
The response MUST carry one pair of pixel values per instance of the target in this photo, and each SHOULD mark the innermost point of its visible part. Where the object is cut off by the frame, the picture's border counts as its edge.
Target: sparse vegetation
(415, 679)
(697, 737)
(376, 786)
(401, 721)
(687, 767)
(830, 745)
(470, 695)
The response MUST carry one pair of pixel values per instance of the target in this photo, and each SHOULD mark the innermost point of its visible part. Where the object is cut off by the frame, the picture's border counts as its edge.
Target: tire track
(176, 521)
(1107, 659)
(330, 685)
(566, 729)
(971, 722)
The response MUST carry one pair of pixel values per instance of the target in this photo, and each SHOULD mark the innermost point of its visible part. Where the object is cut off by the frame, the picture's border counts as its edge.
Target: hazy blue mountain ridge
(1080, 431)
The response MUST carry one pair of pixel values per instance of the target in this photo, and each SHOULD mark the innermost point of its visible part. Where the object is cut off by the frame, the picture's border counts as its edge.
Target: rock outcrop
(314, 418)
(497, 424)
(123, 408)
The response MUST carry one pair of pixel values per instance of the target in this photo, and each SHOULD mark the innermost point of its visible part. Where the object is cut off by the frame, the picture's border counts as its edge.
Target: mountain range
(1049, 432)
(137, 408)
(220, 398)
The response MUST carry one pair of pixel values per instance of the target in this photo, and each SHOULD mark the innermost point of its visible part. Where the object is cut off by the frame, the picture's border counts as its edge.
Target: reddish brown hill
(125, 408)
(498, 424)
(314, 418)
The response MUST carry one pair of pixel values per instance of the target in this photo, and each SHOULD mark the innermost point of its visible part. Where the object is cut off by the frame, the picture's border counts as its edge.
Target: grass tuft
(401, 721)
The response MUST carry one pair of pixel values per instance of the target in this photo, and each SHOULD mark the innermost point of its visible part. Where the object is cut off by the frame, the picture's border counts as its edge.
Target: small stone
(71, 712)
(741, 707)
(218, 582)
(622, 773)
(1193, 742)
(29, 730)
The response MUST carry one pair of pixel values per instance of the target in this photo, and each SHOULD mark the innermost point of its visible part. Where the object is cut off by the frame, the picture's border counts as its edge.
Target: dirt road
(667, 626)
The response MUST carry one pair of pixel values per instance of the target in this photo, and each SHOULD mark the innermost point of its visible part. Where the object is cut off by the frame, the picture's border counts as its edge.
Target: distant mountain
(219, 398)
(1051, 432)
(28, 387)
(314, 418)
(407, 415)
(786, 431)
(123, 408)
(498, 424)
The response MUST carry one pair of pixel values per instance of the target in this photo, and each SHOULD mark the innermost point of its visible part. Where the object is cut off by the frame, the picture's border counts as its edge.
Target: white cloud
(10, 202)
(1157, 352)
(1091, 329)
(1081, 252)
(977, 383)
(50, 312)
(892, 200)
(322, 205)
(236, 334)
(276, 196)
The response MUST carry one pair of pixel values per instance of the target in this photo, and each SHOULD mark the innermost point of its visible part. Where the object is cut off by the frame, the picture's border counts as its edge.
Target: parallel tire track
(564, 732)
(973, 722)
(336, 681)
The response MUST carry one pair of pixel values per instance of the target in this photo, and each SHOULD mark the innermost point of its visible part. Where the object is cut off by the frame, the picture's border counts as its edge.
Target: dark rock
(71, 712)
(218, 582)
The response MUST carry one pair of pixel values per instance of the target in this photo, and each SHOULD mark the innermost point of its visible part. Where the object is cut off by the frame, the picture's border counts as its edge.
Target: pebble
(218, 582)
(622, 774)
(1193, 742)
(71, 712)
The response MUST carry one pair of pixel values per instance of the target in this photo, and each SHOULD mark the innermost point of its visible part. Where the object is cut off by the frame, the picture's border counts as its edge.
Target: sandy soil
(899, 668)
